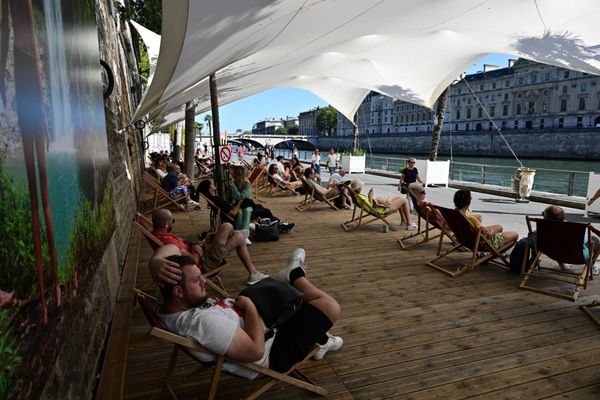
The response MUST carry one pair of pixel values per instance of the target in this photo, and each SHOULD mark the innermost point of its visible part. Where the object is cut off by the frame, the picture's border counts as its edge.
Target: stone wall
(79, 362)
(581, 144)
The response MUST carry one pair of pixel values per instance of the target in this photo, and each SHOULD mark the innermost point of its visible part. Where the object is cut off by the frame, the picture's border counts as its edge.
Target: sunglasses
(421, 192)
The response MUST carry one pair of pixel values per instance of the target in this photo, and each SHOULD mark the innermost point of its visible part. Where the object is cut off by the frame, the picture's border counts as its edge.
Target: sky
(282, 102)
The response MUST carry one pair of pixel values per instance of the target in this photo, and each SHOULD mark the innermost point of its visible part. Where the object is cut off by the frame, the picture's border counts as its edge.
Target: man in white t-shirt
(234, 328)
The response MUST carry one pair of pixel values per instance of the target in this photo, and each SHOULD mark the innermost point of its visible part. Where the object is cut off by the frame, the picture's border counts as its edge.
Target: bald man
(224, 240)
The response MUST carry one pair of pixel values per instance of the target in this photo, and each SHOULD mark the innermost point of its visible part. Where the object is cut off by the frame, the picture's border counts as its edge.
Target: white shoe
(333, 343)
(295, 260)
(255, 277)
(248, 242)
(412, 226)
(595, 270)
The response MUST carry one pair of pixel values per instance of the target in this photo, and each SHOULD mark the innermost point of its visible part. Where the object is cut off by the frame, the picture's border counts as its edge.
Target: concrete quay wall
(580, 144)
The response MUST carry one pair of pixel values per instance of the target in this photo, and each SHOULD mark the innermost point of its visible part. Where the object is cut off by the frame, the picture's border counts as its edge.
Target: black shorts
(296, 338)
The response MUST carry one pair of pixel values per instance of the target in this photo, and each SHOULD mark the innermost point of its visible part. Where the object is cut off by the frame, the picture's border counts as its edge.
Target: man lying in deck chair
(224, 240)
(338, 192)
(384, 205)
(235, 329)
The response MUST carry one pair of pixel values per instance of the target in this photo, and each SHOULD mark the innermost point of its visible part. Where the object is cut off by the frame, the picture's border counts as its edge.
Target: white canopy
(341, 49)
(152, 42)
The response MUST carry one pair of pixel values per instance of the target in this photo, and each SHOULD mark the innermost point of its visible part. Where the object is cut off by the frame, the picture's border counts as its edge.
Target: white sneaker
(595, 270)
(412, 226)
(248, 242)
(295, 260)
(255, 277)
(333, 343)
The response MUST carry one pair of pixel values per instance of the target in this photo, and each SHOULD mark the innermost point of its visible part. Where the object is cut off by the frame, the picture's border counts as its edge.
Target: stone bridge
(302, 142)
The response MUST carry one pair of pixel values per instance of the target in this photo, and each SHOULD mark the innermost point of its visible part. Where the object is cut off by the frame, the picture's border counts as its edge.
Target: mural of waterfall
(55, 194)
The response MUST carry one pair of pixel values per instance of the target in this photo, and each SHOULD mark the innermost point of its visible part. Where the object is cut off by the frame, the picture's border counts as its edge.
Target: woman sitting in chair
(494, 233)
(385, 205)
(243, 211)
(274, 173)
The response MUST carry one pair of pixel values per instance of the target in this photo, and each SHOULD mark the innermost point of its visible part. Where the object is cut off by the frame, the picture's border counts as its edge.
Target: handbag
(275, 300)
(266, 230)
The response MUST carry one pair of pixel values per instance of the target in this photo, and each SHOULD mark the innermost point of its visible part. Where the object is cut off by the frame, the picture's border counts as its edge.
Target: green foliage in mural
(90, 235)
(9, 354)
(17, 271)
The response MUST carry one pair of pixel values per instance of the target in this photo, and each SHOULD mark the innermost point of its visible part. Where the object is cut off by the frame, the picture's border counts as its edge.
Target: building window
(417, 129)
(547, 76)
(506, 96)
(580, 122)
(480, 87)
(516, 125)
(469, 113)
(531, 107)
(561, 122)
(478, 127)
(456, 127)
(519, 109)
(493, 85)
(566, 75)
(583, 87)
(542, 124)
(503, 124)
(581, 103)
(534, 78)
(564, 90)
(506, 83)
(479, 112)
(563, 105)
(492, 111)
(457, 114)
(520, 81)
(544, 106)
(490, 125)
(504, 110)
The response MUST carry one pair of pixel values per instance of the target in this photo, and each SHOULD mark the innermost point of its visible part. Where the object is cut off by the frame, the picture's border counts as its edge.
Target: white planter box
(353, 164)
(434, 172)
(593, 185)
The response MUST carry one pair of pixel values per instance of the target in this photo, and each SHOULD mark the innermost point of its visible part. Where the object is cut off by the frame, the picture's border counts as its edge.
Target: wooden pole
(214, 105)
(190, 136)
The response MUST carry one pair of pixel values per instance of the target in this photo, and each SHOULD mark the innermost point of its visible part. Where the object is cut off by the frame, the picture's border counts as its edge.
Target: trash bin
(526, 183)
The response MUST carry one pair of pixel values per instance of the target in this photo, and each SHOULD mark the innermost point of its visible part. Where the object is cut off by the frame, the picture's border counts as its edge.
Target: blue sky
(281, 102)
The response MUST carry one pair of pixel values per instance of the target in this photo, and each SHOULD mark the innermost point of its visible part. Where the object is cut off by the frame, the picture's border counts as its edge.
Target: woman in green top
(384, 205)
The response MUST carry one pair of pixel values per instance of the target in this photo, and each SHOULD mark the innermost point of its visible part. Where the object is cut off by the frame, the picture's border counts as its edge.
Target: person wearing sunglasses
(408, 175)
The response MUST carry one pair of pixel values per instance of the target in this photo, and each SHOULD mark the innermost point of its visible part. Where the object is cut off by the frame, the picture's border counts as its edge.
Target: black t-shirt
(223, 205)
(410, 176)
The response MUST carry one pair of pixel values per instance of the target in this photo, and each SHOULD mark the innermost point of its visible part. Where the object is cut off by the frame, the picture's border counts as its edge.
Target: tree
(327, 120)
(208, 120)
(198, 126)
(282, 130)
(293, 130)
(437, 128)
(145, 12)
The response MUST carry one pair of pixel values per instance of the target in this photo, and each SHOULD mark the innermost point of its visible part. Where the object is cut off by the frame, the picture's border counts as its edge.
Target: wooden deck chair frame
(586, 308)
(561, 241)
(312, 197)
(469, 238)
(144, 225)
(292, 377)
(361, 215)
(161, 197)
(217, 215)
(423, 213)
(200, 176)
(274, 185)
(254, 178)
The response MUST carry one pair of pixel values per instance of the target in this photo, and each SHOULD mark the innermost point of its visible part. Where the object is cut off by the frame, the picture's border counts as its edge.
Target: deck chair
(217, 215)
(433, 229)
(200, 175)
(363, 214)
(470, 239)
(562, 242)
(278, 187)
(161, 197)
(144, 225)
(312, 197)
(587, 309)
(255, 180)
(293, 376)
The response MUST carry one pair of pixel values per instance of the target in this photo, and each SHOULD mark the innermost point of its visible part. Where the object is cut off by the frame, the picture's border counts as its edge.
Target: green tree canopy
(293, 130)
(147, 13)
(327, 120)
(282, 130)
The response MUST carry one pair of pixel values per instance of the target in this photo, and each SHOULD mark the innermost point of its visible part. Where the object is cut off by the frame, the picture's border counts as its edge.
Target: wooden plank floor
(409, 331)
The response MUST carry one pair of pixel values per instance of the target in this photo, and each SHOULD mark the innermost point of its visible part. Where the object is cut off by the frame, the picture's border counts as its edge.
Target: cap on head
(356, 185)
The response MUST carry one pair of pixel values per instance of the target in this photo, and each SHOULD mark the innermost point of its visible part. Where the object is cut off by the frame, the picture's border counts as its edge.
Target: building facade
(524, 96)
(307, 122)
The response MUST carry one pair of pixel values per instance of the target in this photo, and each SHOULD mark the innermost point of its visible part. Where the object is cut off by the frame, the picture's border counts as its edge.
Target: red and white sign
(225, 154)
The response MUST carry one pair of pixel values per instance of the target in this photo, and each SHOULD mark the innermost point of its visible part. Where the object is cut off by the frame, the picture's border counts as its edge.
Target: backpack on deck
(517, 254)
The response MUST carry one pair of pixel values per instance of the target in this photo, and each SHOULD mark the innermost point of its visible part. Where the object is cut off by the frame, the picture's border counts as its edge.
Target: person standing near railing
(408, 175)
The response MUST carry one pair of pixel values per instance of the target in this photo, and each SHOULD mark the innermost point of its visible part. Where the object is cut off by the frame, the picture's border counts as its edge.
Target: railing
(571, 183)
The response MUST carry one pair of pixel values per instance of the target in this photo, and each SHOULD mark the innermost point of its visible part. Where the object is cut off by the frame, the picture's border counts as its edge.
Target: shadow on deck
(409, 332)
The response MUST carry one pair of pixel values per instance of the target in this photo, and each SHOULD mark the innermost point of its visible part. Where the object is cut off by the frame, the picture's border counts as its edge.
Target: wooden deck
(409, 331)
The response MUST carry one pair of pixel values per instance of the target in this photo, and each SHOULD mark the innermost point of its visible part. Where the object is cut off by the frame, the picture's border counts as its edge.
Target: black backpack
(517, 254)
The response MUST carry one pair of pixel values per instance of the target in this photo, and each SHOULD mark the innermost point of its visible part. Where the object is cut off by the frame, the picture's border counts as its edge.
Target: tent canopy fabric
(340, 50)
